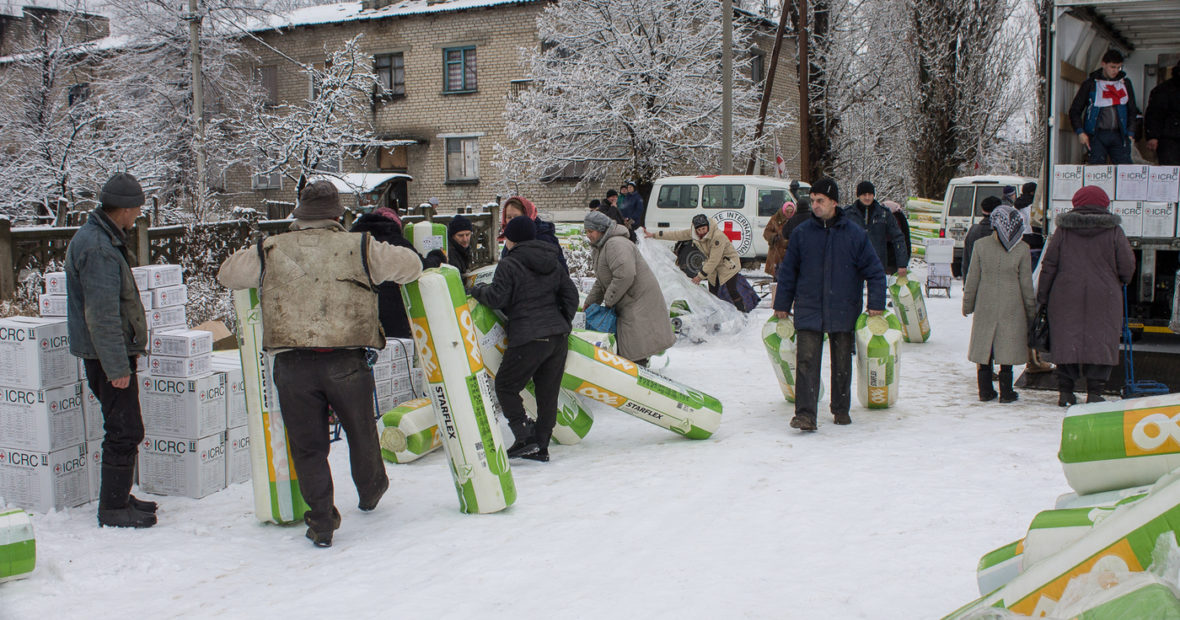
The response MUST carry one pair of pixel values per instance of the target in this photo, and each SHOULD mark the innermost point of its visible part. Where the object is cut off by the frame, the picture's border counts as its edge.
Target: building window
(459, 70)
(331, 165)
(757, 72)
(274, 180)
(268, 79)
(462, 160)
(78, 93)
(313, 90)
(391, 74)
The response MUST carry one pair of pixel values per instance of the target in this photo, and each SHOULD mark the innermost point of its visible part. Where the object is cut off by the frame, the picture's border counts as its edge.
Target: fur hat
(826, 187)
(122, 191)
(319, 201)
(699, 220)
(1091, 195)
(865, 187)
(597, 220)
(520, 229)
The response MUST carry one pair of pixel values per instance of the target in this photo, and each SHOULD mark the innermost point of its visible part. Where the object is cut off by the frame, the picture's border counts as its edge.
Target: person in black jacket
(460, 231)
(539, 301)
(904, 224)
(1161, 123)
(881, 226)
(979, 230)
(385, 226)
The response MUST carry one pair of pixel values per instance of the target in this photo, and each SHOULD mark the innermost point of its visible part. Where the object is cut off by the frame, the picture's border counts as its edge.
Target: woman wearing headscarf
(517, 206)
(776, 241)
(1084, 268)
(999, 292)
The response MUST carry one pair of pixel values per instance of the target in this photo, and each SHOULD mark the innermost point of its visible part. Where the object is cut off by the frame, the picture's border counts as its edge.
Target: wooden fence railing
(205, 245)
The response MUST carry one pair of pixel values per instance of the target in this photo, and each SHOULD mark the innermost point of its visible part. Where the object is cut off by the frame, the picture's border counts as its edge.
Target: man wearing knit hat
(108, 330)
(884, 233)
(539, 300)
(460, 230)
(828, 261)
(317, 285)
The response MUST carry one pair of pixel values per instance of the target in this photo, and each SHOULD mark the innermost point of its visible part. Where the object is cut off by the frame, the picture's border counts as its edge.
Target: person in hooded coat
(384, 225)
(1084, 268)
(998, 291)
(722, 263)
(626, 283)
(517, 206)
(776, 241)
(539, 301)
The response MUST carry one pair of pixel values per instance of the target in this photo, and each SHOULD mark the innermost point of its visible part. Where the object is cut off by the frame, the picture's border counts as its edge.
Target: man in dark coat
(829, 259)
(1161, 123)
(631, 205)
(539, 300)
(1103, 112)
(1086, 264)
(979, 230)
(108, 330)
(881, 227)
(385, 226)
(460, 231)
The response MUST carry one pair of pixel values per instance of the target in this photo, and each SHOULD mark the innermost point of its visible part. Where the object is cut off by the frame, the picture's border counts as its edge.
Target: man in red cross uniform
(722, 264)
(1104, 114)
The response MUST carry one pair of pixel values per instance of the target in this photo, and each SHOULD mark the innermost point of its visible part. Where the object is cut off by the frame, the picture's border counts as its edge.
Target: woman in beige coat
(627, 284)
(998, 290)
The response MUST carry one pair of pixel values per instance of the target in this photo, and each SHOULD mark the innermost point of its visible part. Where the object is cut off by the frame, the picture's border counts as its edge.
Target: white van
(960, 206)
(740, 204)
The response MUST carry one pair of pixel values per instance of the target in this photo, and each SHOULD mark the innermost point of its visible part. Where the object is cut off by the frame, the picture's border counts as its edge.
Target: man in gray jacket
(108, 330)
(318, 290)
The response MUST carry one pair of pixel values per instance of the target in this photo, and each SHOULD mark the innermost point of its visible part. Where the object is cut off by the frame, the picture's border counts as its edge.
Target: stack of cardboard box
(237, 440)
(396, 376)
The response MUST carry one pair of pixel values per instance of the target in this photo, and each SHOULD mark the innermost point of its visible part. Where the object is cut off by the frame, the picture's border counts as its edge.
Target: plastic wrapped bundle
(461, 390)
(409, 431)
(18, 548)
(609, 379)
(573, 418)
(427, 237)
(483, 275)
(878, 360)
(602, 340)
(778, 336)
(1105, 498)
(911, 309)
(276, 487)
(1053, 530)
(697, 313)
(999, 566)
(1116, 445)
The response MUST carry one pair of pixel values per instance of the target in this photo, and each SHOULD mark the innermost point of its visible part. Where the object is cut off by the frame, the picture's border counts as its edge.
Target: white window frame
(469, 151)
(261, 181)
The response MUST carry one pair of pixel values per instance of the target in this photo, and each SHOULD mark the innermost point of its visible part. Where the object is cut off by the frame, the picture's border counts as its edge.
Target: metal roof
(1144, 24)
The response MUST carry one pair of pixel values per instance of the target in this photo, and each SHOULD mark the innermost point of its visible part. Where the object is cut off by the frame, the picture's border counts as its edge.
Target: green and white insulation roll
(18, 547)
(427, 237)
(1117, 445)
(878, 360)
(409, 431)
(911, 309)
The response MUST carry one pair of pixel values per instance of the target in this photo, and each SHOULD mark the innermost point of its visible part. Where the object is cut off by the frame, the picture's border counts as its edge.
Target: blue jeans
(1110, 142)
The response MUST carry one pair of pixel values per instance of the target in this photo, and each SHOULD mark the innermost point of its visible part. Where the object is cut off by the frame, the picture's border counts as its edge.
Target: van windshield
(770, 201)
(724, 197)
(677, 197)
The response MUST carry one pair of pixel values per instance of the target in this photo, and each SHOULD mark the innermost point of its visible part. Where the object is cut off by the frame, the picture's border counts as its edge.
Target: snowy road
(885, 518)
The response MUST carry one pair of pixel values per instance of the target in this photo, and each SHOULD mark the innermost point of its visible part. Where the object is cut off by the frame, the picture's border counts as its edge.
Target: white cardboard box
(1057, 207)
(55, 283)
(41, 420)
(1164, 185)
(168, 296)
(94, 466)
(180, 367)
(1131, 214)
(1132, 182)
(182, 342)
(1159, 219)
(185, 408)
(397, 349)
(35, 352)
(92, 414)
(235, 394)
(145, 298)
(1067, 180)
(1101, 176)
(188, 467)
(42, 481)
(237, 455)
(142, 280)
(161, 318)
(160, 276)
(53, 305)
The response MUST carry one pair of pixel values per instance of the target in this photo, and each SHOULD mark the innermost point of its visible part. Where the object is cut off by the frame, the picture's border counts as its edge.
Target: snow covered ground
(886, 518)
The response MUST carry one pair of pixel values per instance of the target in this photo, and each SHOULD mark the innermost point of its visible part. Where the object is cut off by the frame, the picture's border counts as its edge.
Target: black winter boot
(522, 432)
(1007, 394)
(1094, 391)
(142, 505)
(1065, 396)
(114, 509)
(984, 378)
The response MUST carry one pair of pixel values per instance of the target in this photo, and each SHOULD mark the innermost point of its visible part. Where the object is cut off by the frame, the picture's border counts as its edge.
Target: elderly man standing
(318, 290)
(108, 330)
(884, 233)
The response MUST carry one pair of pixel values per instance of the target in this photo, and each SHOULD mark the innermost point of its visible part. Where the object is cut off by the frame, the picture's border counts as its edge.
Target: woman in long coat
(1083, 271)
(627, 284)
(999, 291)
(776, 240)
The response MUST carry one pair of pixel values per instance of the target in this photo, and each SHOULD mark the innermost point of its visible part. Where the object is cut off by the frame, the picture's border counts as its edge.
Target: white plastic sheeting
(708, 316)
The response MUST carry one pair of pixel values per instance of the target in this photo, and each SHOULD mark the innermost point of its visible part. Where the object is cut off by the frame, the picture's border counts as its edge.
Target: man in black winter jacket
(1161, 123)
(979, 230)
(876, 219)
(539, 300)
(1104, 113)
(460, 232)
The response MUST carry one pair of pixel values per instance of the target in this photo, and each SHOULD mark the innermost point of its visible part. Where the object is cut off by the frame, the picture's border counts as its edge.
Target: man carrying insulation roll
(317, 287)
(540, 300)
(829, 258)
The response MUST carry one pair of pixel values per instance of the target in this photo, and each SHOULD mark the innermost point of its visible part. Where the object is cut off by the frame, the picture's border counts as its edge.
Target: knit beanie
(459, 224)
(826, 187)
(1010, 193)
(989, 203)
(319, 201)
(611, 192)
(1091, 195)
(597, 220)
(520, 229)
(122, 191)
(865, 187)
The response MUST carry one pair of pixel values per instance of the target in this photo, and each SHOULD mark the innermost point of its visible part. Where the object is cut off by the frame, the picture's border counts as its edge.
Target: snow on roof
(353, 11)
(89, 47)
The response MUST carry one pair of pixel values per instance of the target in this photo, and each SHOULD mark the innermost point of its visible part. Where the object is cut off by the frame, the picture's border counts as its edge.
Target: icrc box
(94, 466)
(42, 481)
(182, 342)
(184, 408)
(237, 456)
(35, 353)
(159, 276)
(180, 367)
(235, 393)
(41, 420)
(188, 467)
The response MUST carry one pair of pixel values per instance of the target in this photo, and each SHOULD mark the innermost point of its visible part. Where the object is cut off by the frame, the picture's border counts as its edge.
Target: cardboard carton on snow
(161, 318)
(1132, 182)
(1067, 180)
(181, 342)
(142, 279)
(1159, 219)
(1100, 176)
(35, 353)
(41, 420)
(160, 276)
(145, 298)
(94, 467)
(1131, 214)
(223, 339)
(55, 283)
(53, 305)
(1164, 184)
(237, 455)
(169, 296)
(185, 408)
(41, 481)
(187, 467)
(235, 392)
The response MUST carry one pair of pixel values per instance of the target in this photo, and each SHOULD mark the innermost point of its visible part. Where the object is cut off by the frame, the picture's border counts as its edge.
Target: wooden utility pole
(768, 83)
(194, 30)
(727, 87)
(804, 65)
